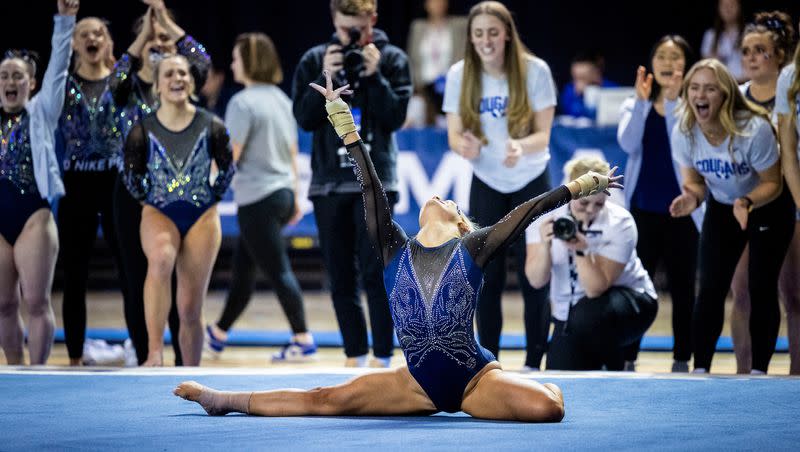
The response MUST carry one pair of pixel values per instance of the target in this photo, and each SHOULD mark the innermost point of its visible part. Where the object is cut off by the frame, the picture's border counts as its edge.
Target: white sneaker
(97, 352)
(131, 360)
(380, 363)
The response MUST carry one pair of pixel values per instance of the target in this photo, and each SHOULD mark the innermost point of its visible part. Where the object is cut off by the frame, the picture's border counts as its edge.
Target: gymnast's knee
(553, 409)
(9, 306)
(38, 306)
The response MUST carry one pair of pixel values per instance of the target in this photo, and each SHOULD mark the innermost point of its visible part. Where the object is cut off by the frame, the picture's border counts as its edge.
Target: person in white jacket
(29, 181)
(643, 133)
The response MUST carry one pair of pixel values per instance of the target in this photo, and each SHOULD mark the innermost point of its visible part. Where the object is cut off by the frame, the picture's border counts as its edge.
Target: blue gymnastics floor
(135, 410)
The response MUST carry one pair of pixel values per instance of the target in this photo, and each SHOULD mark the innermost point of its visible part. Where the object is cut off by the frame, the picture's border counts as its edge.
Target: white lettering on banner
(452, 174)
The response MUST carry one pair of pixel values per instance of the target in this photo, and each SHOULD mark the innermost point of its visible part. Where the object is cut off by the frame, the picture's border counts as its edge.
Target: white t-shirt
(782, 98)
(488, 166)
(727, 51)
(773, 116)
(728, 178)
(615, 240)
(260, 119)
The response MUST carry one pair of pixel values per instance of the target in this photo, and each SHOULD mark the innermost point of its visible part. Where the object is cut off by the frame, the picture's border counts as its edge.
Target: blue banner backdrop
(427, 167)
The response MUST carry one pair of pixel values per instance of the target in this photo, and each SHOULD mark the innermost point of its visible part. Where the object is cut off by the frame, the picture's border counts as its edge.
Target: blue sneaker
(294, 352)
(213, 344)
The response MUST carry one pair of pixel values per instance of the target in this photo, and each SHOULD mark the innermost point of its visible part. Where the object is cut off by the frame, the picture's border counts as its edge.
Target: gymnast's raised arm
(384, 233)
(485, 243)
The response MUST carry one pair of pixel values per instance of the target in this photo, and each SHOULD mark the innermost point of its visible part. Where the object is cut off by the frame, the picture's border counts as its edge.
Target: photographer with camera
(602, 298)
(379, 75)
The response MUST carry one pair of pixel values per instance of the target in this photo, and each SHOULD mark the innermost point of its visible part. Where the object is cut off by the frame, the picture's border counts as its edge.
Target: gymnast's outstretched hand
(338, 111)
(592, 183)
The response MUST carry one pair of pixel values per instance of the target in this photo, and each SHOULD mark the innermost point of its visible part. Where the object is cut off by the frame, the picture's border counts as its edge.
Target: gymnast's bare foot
(154, 360)
(205, 396)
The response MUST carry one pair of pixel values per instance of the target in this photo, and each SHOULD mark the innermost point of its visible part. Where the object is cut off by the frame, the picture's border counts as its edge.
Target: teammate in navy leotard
(29, 179)
(179, 162)
(432, 281)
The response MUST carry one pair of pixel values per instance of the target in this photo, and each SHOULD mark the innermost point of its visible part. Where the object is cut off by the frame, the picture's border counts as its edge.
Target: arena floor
(264, 314)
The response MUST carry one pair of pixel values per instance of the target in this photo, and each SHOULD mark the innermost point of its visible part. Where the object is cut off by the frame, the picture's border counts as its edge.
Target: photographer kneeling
(602, 298)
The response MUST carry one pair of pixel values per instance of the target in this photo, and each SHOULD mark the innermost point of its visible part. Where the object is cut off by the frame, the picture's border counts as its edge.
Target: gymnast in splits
(432, 281)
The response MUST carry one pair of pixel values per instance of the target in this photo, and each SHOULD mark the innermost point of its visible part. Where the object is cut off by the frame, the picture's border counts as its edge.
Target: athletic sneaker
(97, 352)
(131, 360)
(294, 352)
(680, 367)
(212, 344)
(380, 363)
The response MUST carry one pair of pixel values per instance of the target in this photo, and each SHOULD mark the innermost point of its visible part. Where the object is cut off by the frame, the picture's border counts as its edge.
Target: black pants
(88, 200)
(488, 206)
(599, 329)
(348, 252)
(127, 220)
(673, 242)
(769, 231)
(261, 245)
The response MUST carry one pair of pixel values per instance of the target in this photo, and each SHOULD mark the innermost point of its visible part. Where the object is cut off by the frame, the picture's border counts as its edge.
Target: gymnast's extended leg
(380, 393)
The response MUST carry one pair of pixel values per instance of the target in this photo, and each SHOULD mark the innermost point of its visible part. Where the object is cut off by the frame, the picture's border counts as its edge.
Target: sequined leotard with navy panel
(172, 170)
(433, 290)
(89, 126)
(19, 196)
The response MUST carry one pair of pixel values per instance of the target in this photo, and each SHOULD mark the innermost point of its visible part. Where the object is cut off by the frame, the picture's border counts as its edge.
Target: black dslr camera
(352, 56)
(565, 228)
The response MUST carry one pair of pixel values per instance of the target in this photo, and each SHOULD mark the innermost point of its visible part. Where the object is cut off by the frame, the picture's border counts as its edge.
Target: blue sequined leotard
(433, 291)
(171, 170)
(19, 196)
(89, 126)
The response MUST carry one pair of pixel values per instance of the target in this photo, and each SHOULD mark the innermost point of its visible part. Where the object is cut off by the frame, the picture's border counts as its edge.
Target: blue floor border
(258, 338)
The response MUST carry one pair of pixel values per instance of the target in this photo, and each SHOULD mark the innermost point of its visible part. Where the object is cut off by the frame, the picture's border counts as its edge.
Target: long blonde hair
(735, 111)
(108, 58)
(519, 112)
(794, 88)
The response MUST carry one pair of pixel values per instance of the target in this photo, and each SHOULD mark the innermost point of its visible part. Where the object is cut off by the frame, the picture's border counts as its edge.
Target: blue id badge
(356, 117)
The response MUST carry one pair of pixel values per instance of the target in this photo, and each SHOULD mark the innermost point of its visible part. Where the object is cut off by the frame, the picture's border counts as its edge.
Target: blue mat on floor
(334, 339)
(126, 411)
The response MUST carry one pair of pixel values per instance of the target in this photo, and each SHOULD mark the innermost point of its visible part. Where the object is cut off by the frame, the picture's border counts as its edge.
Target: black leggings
(488, 206)
(261, 244)
(127, 219)
(347, 253)
(672, 241)
(769, 231)
(598, 330)
(88, 200)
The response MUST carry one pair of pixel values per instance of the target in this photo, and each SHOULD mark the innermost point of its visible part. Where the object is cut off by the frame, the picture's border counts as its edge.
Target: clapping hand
(513, 153)
(683, 205)
(644, 84)
(470, 146)
(672, 87)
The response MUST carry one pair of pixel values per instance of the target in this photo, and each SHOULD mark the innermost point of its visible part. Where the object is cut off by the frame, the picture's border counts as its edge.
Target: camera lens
(564, 228)
(352, 58)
